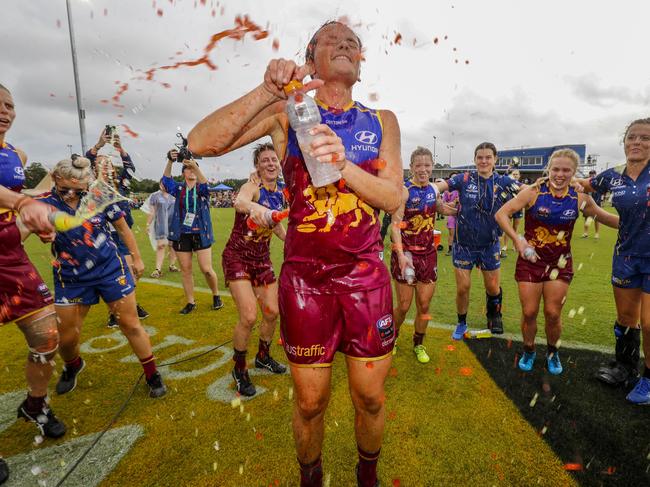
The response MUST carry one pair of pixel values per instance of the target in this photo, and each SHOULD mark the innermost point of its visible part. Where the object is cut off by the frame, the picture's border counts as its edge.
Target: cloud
(589, 88)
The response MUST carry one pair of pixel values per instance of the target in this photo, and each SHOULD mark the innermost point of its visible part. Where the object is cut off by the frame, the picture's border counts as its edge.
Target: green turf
(447, 422)
(590, 288)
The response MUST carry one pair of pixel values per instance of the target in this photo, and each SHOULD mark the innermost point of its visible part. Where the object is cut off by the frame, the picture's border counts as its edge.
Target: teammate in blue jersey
(122, 183)
(88, 266)
(481, 193)
(630, 188)
(24, 298)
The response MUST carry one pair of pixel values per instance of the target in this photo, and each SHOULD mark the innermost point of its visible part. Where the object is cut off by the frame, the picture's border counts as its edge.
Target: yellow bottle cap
(292, 86)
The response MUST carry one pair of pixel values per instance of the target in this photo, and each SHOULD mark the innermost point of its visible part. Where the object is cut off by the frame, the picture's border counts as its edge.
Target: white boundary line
(442, 326)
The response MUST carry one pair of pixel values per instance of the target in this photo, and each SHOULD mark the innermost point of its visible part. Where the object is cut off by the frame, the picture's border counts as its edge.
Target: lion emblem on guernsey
(545, 237)
(258, 235)
(329, 204)
(419, 224)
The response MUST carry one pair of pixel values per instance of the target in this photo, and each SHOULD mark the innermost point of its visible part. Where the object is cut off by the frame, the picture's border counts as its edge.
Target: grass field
(466, 418)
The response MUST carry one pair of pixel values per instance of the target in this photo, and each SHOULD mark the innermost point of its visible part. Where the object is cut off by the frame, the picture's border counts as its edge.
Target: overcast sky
(517, 73)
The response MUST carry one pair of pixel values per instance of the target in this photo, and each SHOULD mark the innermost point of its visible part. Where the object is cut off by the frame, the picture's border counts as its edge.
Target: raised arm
(240, 122)
(504, 216)
(593, 210)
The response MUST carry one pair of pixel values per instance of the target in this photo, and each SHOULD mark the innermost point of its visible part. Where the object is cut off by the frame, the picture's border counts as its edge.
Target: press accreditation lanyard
(189, 216)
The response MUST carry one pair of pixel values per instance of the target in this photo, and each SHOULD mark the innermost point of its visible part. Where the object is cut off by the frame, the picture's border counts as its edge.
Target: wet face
(485, 161)
(560, 172)
(422, 168)
(7, 111)
(268, 165)
(637, 143)
(337, 55)
(70, 190)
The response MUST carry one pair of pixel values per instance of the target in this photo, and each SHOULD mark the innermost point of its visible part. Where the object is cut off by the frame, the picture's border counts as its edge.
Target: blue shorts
(518, 214)
(112, 288)
(630, 272)
(485, 258)
(121, 246)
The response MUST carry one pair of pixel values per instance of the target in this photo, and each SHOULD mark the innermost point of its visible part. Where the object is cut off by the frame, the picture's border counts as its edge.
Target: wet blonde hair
(568, 153)
(77, 168)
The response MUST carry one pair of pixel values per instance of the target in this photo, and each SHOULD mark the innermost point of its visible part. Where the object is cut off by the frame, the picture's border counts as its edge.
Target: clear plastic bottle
(409, 272)
(529, 251)
(303, 115)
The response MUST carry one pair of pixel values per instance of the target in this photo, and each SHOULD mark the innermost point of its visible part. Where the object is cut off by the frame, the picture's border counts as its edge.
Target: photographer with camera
(121, 181)
(190, 227)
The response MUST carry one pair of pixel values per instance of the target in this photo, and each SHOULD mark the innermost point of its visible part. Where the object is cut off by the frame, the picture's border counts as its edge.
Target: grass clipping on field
(447, 423)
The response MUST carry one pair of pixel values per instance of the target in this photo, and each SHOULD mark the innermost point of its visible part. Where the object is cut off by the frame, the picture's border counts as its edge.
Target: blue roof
(531, 158)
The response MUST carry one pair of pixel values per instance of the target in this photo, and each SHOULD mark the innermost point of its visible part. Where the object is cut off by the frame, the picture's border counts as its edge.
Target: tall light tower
(434, 150)
(81, 114)
(450, 147)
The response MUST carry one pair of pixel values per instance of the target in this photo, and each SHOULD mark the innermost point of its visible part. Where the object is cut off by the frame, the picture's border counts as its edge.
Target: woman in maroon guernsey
(545, 267)
(334, 291)
(247, 266)
(24, 297)
(414, 248)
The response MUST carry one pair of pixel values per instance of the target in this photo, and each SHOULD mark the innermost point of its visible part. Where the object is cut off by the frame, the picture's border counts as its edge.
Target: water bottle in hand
(409, 273)
(529, 251)
(271, 216)
(304, 115)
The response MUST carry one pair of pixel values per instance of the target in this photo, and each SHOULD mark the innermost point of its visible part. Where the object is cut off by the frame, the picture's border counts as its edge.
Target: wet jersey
(419, 218)
(333, 242)
(549, 223)
(87, 254)
(480, 198)
(632, 201)
(255, 244)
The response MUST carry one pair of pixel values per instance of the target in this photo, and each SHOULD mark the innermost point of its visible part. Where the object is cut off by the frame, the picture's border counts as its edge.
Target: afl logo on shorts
(385, 327)
(43, 289)
(366, 137)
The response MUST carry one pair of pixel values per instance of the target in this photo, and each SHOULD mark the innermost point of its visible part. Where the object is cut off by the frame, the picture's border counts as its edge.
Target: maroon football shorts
(315, 326)
(526, 271)
(258, 272)
(22, 291)
(426, 267)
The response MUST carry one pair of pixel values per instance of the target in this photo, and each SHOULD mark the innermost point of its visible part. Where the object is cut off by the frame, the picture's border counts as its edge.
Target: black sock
(529, 348)
(646, 372)
(628, 345)
(462, 318)
(493, 304)
(34, 404)
(550, 349)
(311, 474)
(240, 359)
(367, 473)
(263, 349)
(418, 338)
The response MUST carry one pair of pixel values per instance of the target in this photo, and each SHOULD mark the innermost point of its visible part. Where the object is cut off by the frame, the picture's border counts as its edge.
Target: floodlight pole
(81, 114)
